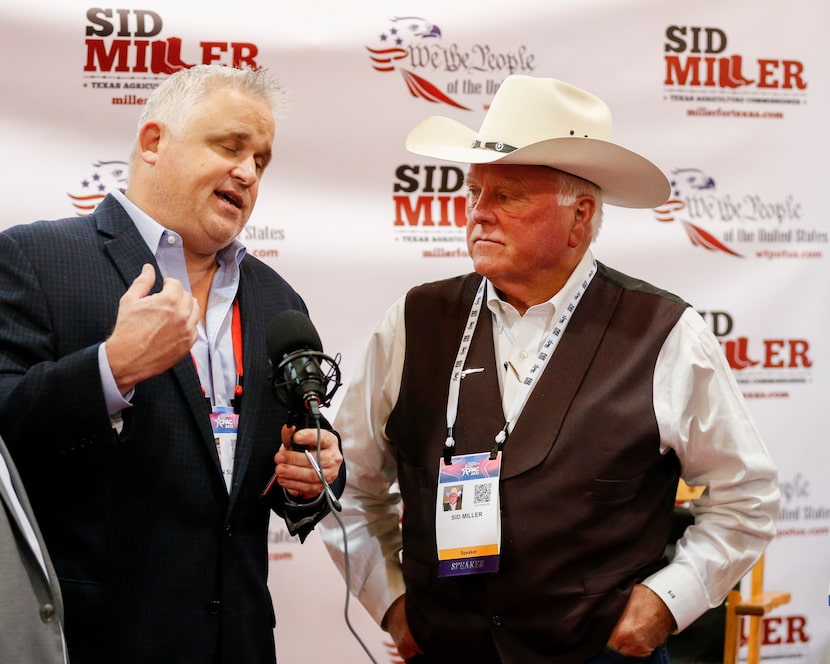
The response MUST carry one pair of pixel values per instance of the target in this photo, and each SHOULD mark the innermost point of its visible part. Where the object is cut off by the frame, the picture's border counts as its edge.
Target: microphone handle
(302, 420)
(307, 419)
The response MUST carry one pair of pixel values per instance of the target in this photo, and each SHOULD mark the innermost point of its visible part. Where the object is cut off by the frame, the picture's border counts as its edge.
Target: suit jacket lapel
(128, 252)
(123, 243)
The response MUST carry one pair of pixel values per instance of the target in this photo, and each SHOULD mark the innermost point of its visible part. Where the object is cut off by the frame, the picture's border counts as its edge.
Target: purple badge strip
(462, 566)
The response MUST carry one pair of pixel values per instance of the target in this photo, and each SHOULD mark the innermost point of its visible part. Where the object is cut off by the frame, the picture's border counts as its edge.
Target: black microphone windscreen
(290, 331)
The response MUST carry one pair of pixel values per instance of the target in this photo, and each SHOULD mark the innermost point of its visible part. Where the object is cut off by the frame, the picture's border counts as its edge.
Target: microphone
(305, 378)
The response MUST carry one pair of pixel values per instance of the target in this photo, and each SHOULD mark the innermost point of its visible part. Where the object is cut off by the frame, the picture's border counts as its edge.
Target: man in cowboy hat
(565, 398)
(453, 499)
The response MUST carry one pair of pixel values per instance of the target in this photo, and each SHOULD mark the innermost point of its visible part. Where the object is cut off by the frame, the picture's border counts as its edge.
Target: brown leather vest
(586, 497)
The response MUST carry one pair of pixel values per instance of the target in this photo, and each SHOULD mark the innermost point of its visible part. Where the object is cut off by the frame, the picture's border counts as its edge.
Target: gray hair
(570, 187)
(173, 101)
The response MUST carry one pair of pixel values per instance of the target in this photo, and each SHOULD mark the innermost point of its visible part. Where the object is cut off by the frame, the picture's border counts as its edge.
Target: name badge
(225, 425)
(467, 515)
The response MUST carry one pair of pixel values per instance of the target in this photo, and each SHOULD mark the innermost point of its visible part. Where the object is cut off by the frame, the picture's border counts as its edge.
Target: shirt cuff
(292, 500)
(115, 401)
(681, 591)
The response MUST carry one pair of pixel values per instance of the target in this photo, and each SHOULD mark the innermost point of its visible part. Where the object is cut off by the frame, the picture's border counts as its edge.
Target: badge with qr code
(467, 515)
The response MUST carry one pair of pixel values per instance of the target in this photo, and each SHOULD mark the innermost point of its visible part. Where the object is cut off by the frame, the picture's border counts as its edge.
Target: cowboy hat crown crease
(526, 110)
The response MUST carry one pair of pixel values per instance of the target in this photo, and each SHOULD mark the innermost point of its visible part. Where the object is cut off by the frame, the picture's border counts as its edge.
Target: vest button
(47, 612)
(214, 607)
(496, 621)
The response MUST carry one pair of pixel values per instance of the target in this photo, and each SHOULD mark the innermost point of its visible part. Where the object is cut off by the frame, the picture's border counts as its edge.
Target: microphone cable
(335, 507)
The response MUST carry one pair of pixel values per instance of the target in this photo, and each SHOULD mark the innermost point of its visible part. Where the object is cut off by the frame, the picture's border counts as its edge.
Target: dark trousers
(607, 656)
(611, 656)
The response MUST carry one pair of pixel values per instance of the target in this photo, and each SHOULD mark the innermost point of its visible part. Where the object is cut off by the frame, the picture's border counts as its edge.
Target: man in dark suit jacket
(119, 346)
(31, 608)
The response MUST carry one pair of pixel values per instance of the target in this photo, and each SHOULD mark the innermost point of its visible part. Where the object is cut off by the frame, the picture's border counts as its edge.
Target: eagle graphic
(402, 31)
(685, 181)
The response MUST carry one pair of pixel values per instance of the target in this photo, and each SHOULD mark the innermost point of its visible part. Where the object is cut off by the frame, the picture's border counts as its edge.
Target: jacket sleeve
(301, 516)
(52, 402)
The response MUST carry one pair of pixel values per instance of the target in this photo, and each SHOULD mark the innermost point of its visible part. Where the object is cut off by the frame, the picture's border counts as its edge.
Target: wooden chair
(754, 608)
(686, 493)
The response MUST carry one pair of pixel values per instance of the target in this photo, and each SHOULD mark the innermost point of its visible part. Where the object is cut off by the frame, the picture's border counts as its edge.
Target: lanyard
(236, 339)
(527, 382)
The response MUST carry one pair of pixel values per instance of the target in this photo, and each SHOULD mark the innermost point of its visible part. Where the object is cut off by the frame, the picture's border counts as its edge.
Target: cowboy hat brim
(626, 178)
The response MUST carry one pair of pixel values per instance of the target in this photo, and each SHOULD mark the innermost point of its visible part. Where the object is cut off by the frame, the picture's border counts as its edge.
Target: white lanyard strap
(526, 384)
(457, 369)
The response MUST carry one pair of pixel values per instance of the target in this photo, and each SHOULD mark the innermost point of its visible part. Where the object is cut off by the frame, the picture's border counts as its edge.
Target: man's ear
(584, 210)
(149, 138)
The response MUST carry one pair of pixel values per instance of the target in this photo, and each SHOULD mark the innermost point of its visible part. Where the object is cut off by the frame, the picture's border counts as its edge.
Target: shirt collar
(503, 311)
(154, 233)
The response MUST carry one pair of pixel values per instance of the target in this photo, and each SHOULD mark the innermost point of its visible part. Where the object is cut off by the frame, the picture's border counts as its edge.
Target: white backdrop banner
(730, 99)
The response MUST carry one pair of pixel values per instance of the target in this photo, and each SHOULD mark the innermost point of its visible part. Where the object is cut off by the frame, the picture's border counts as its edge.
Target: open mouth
(231, 198)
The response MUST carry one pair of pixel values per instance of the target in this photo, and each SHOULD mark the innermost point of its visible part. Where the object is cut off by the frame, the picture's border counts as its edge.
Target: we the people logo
(440, 72)
(739, 225)
(127, 53)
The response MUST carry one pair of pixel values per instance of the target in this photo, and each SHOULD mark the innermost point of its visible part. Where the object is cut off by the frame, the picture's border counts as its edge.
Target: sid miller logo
(698, 58)
(773, 360)
(130, 41)
(429, 197)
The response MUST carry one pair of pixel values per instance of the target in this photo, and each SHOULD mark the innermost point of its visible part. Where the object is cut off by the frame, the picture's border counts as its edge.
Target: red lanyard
(236, 339)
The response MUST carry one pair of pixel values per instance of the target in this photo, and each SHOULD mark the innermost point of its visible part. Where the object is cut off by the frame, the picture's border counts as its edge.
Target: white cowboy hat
(546, 122)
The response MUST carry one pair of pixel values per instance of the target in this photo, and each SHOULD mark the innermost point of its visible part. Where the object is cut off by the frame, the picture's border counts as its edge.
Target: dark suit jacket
(31, 608)
(157, 562)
